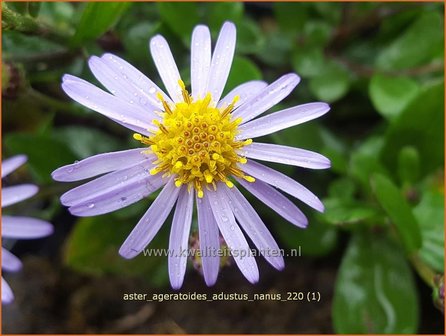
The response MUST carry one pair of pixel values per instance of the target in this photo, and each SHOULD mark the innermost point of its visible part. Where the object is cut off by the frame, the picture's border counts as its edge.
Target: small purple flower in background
(195, 146)
(18, 227)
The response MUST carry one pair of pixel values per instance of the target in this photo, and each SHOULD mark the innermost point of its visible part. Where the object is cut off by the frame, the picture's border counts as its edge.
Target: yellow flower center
(195, 142)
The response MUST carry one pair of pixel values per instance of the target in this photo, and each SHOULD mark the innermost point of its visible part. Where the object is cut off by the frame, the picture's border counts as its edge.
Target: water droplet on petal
(91, 206)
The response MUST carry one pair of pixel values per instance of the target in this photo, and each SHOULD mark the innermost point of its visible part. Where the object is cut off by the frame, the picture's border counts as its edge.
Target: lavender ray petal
(11, 164)
(282, 182)
(140, 81)
(7, 295)
(119, 85)
(221, 60)
(25, 227)
(10, 262)
(286, 155)
(117, 198)
(100, 164)
(282, 119)
(255, 228)
(107, 183)
(209, 241)
(267, 98)
(97, 97)
(15, 194)
(179, 237)
(128, 115)
(232, 234)
(245, 92)
(200, 60)
(151, 222)
(167, 68)
(276, 201)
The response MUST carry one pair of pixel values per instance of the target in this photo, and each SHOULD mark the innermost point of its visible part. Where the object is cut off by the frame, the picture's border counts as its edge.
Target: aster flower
(195, 146)
(17, 227)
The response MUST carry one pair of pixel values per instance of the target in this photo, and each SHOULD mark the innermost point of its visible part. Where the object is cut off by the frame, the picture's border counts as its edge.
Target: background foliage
(379, 65)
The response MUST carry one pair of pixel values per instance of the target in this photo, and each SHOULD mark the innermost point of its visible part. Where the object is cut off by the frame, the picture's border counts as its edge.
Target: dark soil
(53, 300)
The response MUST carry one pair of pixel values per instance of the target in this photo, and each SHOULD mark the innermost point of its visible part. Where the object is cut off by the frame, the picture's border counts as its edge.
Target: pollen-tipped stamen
(230, 107)
(166, 106)
(184, 92)
(143, 139)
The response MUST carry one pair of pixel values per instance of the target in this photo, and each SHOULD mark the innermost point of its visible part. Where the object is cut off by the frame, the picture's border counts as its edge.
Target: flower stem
(26, 24)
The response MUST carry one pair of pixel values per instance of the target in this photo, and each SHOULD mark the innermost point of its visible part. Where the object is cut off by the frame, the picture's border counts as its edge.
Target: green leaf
(250, 38)
(317, 33)
(45, 153)
(291, 16)
(417, 45)
(345, 212)
(390, 95)
(219, 12)
(420, 125)
(85, 142)
(364, 161)
(398, 210)
(33, 8)
(136, 36)
(17, 45)
(408, 165)
(309, 62)
(181, 17)
(93, 246)
(332, 84)
(308, 136)
(342, 188)
(318, 239)
(332, 12)
(430, 215)
(242, 70)
(96, 19)
(335, 149)
(57, 14)
(375, 292)
(276, 49)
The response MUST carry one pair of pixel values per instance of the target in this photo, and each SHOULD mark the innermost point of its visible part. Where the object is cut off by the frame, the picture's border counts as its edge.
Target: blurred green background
(376, 254)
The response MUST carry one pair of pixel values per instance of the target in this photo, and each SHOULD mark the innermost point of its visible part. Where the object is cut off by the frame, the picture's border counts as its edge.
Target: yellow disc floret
(195, 142)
